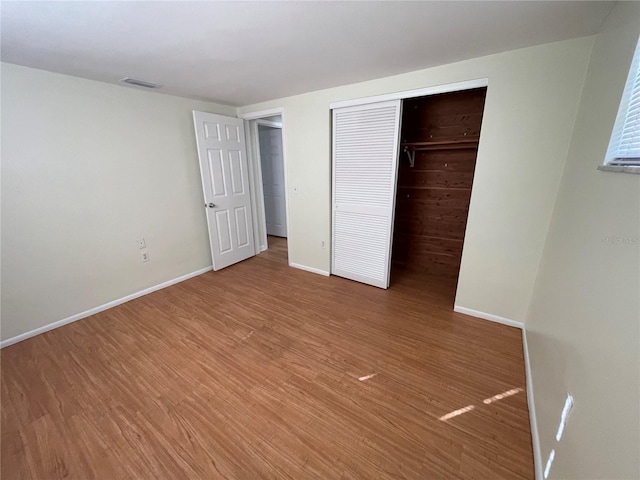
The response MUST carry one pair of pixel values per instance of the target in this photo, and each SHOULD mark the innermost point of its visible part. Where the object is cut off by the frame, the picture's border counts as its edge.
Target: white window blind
(624, 146)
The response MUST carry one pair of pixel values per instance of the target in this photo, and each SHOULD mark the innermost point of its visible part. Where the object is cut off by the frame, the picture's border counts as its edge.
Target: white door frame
(253, 156)
(257, 191)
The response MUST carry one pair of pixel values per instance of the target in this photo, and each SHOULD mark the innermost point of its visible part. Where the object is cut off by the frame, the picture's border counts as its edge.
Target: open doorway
(272, 165)
(266, 145)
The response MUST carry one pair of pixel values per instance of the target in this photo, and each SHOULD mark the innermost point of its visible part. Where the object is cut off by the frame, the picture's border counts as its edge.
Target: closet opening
(438, 148)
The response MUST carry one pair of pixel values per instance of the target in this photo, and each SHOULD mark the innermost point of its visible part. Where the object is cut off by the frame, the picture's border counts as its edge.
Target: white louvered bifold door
(365, 166)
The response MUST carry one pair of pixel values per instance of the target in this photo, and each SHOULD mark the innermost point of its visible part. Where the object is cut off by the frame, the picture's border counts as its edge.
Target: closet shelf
(441, 145)
(468, 189)
(410, 148)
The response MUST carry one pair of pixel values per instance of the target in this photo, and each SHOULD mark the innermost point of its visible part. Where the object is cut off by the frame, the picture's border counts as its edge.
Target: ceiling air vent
(140, 83)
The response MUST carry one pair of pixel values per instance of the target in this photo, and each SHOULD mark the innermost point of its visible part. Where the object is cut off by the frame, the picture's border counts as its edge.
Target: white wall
(583, 326)
(530, 111)
(87, 169)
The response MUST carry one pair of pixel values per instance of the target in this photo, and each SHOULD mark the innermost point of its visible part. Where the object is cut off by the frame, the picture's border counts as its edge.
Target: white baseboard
(100, 308)
(535, 439)
(488, 316)
(309, 269)
(262, 248)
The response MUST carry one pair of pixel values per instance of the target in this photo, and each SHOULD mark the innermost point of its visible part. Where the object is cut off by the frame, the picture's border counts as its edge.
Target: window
(624, 146)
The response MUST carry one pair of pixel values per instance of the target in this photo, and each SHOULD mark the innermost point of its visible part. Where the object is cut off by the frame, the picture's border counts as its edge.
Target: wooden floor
(277, 250)
(265, 371)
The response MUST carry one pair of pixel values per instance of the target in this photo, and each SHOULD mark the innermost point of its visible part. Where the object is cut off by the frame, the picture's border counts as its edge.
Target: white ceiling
(240, 53)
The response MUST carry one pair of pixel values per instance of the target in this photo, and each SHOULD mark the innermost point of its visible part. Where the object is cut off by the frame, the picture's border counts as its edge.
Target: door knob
(211, 205)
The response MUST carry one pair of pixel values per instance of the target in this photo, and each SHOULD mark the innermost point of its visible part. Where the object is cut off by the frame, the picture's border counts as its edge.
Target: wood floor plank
(265, 371)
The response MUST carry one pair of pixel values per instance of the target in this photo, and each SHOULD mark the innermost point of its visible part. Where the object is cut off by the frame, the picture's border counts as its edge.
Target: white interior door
(225, 183)
(270, 139)
(365, 169)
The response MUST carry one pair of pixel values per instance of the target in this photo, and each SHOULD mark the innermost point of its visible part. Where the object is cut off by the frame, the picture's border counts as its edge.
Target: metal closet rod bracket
(412, 156)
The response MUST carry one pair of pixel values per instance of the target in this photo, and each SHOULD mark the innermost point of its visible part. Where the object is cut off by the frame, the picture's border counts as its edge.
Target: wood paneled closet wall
(441, 133)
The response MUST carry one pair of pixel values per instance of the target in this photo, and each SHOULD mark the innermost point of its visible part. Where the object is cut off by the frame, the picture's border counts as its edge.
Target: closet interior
(438, 147)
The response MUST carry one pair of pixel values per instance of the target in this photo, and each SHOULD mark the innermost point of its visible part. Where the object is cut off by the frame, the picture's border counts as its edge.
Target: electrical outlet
(322, 244)
(145, 256)
(295, 190)
(141, 243)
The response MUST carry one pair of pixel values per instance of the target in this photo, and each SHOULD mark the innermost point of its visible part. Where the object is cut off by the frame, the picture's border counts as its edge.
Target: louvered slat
(365, 156)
